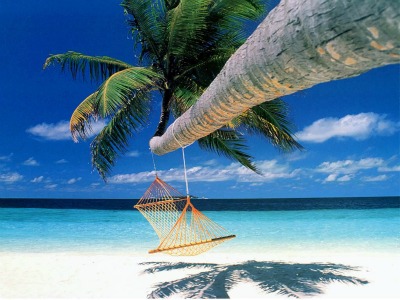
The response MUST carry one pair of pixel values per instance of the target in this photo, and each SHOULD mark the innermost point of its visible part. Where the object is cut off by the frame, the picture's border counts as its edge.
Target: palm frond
(220, 33)
(116, 91)
(184, 97)
(186, 24)
(270, 119)
(148, 25)
(98, 67)
(211, 62)
(81, 118)
(232, 16)
(114, 138)
(239, 9)
(228, 21)
(229, 143)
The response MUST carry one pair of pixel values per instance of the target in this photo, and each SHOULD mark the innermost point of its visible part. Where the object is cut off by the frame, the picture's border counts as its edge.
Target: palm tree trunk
(298, 45)
(165, 113)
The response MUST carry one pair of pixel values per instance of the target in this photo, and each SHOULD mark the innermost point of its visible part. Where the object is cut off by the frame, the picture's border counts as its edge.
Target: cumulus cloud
(358, 127)
(61, 161)
(11, 177)
(346, 170)
(74, 180)
(375, 178)
(37, 179)
(211, 162)
(271, 169)
(330, 178)
(60, 131)
(340, 171)
(30, 162)
(133, 154)
(51, 186)
(336, 177)
(350, 166)
(295, 156)
(344, 178)
(6, 157)
(389, 169)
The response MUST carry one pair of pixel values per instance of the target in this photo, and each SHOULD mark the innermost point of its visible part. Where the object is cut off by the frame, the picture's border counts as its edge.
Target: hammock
(181, 228)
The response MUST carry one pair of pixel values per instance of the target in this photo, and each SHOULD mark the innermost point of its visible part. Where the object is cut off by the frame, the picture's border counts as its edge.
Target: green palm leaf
(219, 32)
(81, 118)
(99, 67)
(229, 143)
(114, 138)
(148, 25)
(209, 62)
(186, 24)
(116, 91)
(226, 23)
(234, 10)
(185, 97)
(270, 120)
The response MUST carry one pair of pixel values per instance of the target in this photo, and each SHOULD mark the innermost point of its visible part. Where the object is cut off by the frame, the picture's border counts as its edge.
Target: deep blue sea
(261, 225)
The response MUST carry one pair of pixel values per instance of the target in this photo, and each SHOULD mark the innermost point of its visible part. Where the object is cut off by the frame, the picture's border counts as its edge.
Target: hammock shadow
(215, 280)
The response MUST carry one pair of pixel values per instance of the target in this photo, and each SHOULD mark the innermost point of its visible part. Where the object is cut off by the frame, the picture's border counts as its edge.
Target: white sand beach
(320, 275)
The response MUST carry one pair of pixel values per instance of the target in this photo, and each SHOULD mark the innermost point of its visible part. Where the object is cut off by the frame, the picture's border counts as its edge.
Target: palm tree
(298, 45)
(183, 46)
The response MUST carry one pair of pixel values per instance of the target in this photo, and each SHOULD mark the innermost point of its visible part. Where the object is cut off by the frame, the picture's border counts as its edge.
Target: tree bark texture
(165, 113)
(298, 45)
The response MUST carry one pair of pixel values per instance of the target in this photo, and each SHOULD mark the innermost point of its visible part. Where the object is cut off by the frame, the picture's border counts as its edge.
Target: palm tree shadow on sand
(215, 280)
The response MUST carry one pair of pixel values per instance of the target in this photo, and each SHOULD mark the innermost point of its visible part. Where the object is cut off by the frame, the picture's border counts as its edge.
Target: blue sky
(349, 128)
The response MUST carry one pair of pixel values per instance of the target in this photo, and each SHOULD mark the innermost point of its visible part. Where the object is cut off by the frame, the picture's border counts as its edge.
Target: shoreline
(108, 274)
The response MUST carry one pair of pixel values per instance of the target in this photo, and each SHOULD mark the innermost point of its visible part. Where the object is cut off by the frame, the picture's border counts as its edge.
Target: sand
(276, 275)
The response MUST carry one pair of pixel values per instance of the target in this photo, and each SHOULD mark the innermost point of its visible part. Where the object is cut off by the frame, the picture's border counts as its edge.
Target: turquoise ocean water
(260, 226)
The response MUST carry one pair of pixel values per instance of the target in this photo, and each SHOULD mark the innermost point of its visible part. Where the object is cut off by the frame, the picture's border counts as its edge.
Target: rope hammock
(181, 228)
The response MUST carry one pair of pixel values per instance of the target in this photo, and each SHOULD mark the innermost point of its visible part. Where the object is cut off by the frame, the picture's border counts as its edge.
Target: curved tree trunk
(165, 113)
(298, 45)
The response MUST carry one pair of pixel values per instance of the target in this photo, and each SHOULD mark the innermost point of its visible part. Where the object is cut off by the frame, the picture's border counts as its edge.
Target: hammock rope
(154, 162)
(182, 229)
(183, 158)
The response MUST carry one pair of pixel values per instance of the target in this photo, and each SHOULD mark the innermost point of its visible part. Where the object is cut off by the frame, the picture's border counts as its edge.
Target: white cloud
(11, 177)
(330, 178)
(358, 127)
(37, 179)
(133, 154)
(133, 177)
(389, 169)
(74, 180)
(271, 169)
(295, 156)
(30, 162)
(334, 177)
(51, 186)
(346, 170)
(375, 178)
(6, 157)
(211, 162)
(350, 166)
(60, 131)
(61, 161)
(344, 178)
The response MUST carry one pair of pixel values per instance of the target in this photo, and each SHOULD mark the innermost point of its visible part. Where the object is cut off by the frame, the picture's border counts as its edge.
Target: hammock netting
(181, 228)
